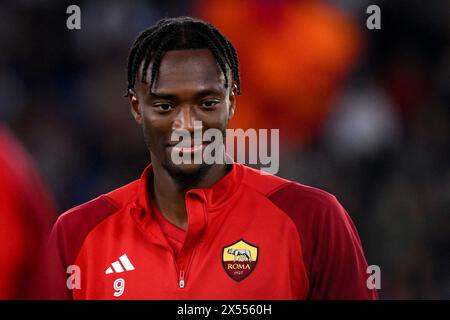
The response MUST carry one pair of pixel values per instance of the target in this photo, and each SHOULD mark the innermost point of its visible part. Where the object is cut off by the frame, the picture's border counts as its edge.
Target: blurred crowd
(363, 114)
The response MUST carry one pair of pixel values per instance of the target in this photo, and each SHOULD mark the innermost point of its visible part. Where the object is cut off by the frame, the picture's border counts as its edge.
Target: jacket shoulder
(73, 226)
(294, 194)
(290, 196)
(261, 181)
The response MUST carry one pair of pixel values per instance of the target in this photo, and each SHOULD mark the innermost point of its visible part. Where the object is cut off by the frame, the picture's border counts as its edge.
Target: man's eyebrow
(164, 96)
(207, 92)
(200, 94)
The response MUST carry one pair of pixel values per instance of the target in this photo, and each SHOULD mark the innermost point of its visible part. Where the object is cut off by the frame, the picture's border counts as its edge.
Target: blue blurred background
(363, 114)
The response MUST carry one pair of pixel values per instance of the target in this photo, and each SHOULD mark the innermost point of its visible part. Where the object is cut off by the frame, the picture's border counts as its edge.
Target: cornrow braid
(231, 53)
(158, 35)
(236, 73)
(177, 34)
(140, 47)
(156, 62)
(137, 53)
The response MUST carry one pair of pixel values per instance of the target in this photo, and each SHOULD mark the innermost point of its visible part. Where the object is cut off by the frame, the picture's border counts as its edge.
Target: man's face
(189, 87)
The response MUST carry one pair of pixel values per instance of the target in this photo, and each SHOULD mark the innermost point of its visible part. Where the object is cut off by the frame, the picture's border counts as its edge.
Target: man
(198, 230)
(26, 214)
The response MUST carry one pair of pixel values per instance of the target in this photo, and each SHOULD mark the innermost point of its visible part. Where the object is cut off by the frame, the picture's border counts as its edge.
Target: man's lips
(188, 148)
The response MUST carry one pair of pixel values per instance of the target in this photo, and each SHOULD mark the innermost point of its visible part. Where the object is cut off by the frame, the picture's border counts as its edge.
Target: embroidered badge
(239, 259)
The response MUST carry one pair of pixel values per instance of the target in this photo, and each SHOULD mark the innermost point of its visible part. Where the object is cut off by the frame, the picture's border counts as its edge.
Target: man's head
(179, 71)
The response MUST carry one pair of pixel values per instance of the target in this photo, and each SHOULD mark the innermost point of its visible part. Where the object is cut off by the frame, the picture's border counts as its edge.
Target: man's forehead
(187, 68)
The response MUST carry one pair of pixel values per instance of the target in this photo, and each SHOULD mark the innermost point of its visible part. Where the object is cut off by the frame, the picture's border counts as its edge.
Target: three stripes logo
(121, 265)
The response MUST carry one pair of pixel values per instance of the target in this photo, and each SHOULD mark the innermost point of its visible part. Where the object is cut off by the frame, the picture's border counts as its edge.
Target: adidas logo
(121, 265)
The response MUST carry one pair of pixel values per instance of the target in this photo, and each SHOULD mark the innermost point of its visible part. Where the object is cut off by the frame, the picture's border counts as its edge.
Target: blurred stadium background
(363, 114)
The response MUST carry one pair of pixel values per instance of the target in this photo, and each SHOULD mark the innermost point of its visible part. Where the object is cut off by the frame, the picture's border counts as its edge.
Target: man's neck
(170, 196)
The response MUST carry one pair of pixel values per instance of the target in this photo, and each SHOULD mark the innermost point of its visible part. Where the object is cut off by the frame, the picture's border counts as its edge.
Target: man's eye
(209, 103)
(163, 107)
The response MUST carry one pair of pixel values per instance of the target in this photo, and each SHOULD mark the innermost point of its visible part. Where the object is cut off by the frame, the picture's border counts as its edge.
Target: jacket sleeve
(336, 266)
(331, 248)
(58, 275)
(52, 283)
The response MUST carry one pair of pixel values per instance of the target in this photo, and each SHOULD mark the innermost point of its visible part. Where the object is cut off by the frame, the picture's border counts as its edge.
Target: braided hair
(177, 34)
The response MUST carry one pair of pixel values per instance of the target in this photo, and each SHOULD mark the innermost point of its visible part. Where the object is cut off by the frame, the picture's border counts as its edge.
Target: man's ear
(232, 97)
(134, 104)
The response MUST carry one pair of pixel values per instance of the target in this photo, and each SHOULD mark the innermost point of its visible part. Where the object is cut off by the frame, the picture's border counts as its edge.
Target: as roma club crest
(239, 259)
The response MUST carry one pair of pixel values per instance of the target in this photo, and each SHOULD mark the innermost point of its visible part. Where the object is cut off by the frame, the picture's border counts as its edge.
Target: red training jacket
(249, 236)
(26, 214)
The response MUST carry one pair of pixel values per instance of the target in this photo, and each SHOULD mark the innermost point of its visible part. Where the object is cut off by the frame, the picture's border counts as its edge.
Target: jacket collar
(214, 197)
(199, 204)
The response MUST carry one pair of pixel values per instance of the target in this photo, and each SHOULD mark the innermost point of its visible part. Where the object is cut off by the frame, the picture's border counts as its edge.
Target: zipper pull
(181, 279)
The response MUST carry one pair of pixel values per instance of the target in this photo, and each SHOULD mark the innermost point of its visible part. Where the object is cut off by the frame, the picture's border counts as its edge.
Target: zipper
(181, 279)
(183, 267)
(181, 273)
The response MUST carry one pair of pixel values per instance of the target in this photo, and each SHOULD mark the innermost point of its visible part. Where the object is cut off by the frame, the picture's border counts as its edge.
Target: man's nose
(184, 119)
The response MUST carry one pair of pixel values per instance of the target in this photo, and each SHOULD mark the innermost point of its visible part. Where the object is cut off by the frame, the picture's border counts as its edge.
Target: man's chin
(187, 174)
(189, 168)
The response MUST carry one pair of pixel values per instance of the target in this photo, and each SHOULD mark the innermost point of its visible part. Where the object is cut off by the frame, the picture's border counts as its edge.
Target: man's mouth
(182, 148)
